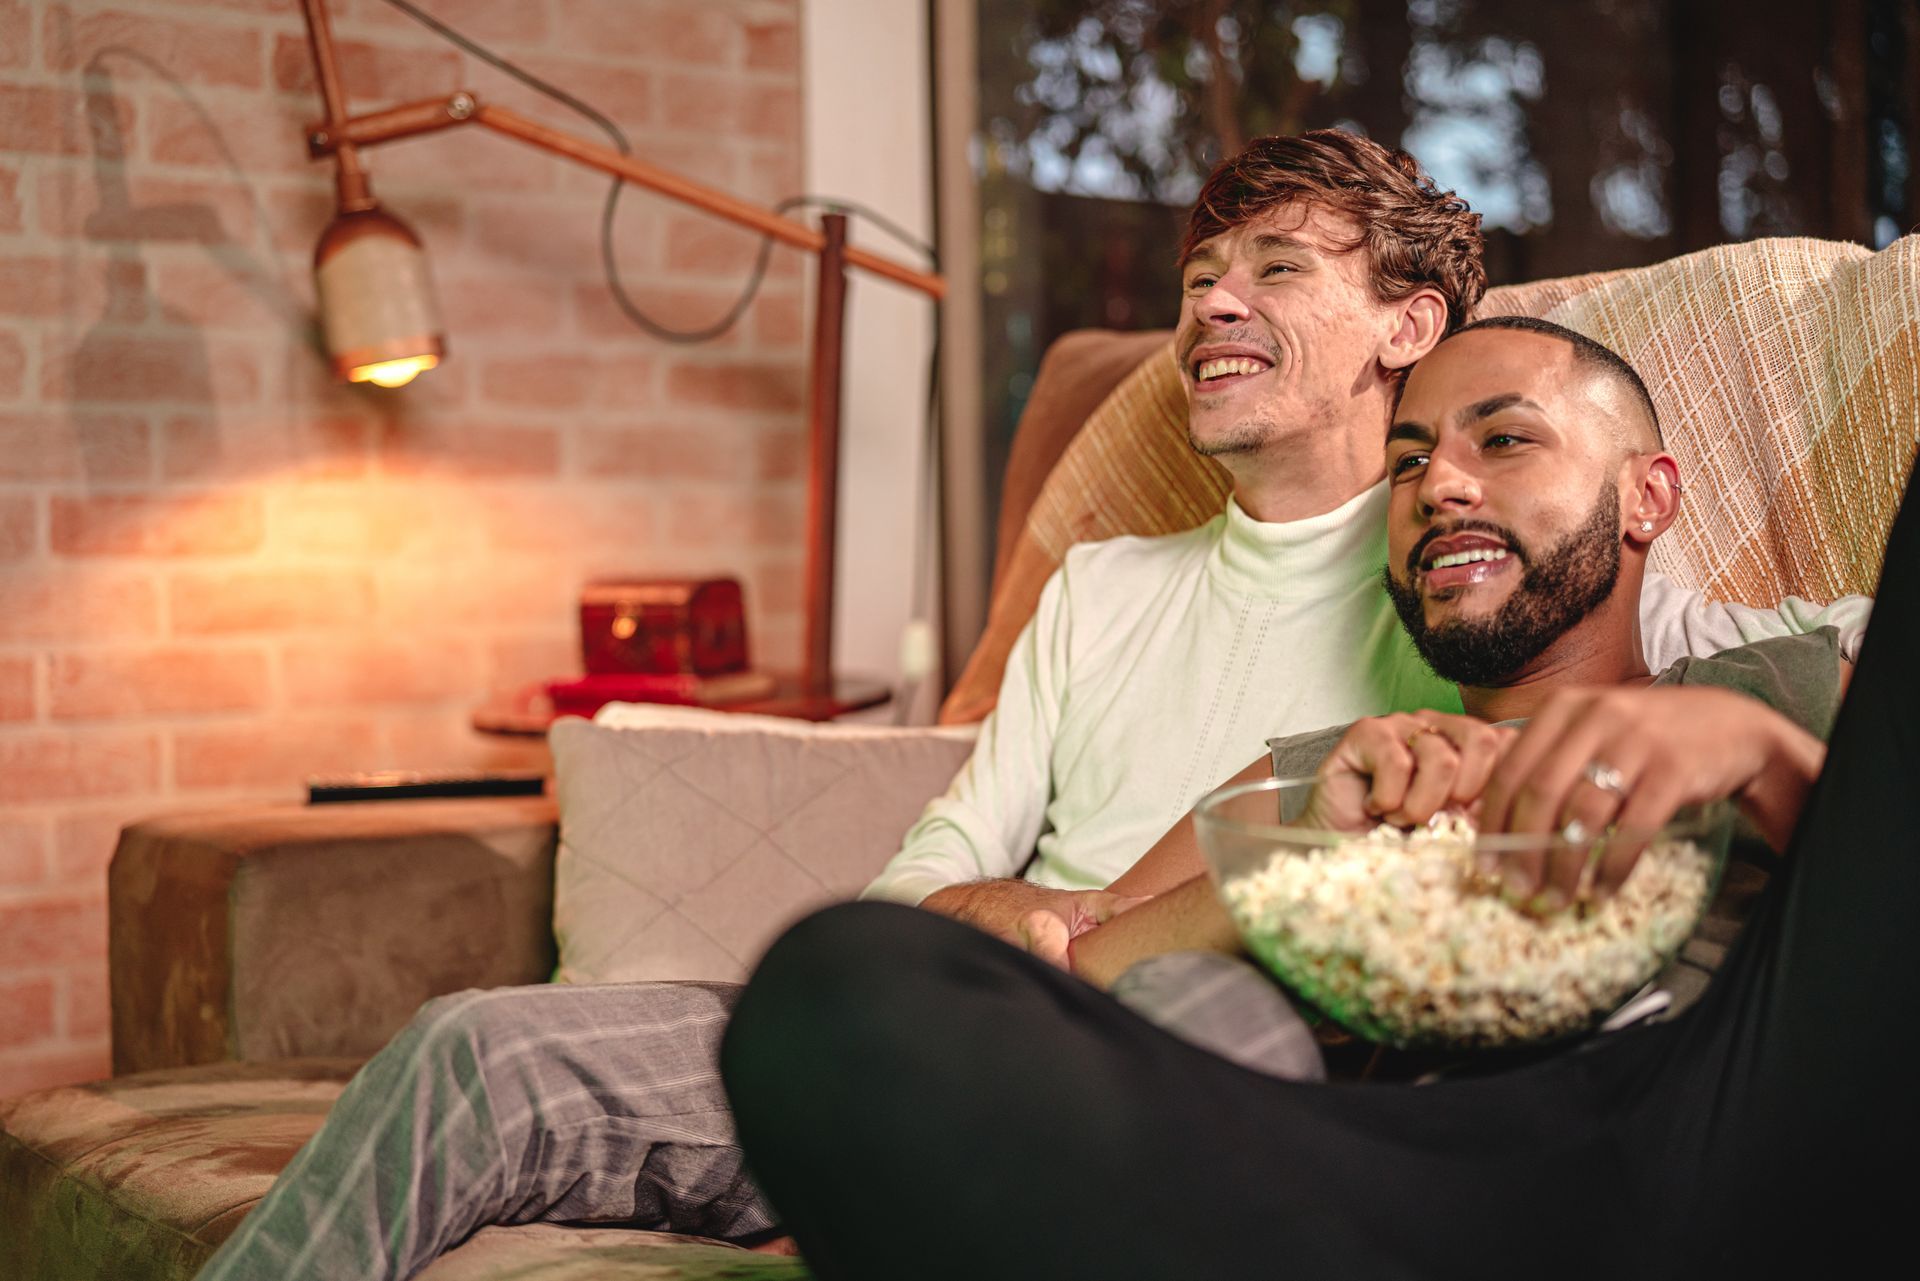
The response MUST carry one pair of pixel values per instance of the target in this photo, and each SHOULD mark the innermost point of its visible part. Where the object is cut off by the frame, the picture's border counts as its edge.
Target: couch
(258, 954)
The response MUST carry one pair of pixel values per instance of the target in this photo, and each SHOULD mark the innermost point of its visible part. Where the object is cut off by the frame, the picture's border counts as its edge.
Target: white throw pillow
(689, 839)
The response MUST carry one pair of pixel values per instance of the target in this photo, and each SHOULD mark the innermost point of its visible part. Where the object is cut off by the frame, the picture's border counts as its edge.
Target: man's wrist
(1774, 797)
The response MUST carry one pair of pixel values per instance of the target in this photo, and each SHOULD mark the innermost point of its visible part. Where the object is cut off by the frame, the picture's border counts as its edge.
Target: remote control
(394, 785)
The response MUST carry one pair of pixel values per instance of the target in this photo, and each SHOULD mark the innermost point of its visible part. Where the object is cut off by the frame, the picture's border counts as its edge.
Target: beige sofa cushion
(689, 839)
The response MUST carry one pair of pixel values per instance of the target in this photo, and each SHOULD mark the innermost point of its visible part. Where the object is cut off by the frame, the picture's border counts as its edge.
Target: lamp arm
(350, 178)
(434, 114)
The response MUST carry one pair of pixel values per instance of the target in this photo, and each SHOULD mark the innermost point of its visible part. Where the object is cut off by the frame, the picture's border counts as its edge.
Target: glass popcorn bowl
(1393, 935)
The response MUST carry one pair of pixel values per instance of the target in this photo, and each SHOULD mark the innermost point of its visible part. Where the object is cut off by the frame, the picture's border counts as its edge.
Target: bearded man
(1529, 483)
(884, 1106)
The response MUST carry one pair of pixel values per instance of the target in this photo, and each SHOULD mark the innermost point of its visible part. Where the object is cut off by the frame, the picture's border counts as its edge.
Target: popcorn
(1385, 933)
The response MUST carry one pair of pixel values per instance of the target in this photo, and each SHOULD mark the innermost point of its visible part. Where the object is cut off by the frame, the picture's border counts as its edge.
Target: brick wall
(220, 572)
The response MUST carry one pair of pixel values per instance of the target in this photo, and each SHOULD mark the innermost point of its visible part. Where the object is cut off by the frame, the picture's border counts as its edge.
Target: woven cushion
(690, 839)
(1786, 373)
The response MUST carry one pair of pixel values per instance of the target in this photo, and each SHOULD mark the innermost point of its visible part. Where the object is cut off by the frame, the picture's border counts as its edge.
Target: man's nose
(1446, 485)
(1220, 305)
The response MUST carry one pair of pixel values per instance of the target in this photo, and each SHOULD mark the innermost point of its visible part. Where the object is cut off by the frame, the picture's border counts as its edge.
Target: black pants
(920, 1101)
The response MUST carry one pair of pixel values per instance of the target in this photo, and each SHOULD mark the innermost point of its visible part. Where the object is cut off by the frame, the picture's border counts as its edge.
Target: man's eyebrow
(1268, 241)
(1265, 243)
(1208, 253)
(1494, 404)
(1418, 433)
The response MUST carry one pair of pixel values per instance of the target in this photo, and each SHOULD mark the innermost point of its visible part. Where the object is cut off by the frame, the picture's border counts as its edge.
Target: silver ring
(1607, 778)
(1574, 833)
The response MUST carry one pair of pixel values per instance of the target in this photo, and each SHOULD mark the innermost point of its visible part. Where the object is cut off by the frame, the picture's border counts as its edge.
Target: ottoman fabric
(303, 931)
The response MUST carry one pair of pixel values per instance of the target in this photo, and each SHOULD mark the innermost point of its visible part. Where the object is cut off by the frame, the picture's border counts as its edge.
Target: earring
(1646, 527)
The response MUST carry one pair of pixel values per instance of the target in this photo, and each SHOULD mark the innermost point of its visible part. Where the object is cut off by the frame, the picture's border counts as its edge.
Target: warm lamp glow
(392, 373)
(377, 309)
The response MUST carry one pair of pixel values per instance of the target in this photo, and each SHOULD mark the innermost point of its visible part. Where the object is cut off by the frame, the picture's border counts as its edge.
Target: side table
(527, 712)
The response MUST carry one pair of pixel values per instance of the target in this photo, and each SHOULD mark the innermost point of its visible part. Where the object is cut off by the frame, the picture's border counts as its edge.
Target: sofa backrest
(1078, 371)
(1787, 377)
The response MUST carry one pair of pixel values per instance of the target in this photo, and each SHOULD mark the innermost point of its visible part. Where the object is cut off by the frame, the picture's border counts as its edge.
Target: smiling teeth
(1226, 366)
(1467, 558)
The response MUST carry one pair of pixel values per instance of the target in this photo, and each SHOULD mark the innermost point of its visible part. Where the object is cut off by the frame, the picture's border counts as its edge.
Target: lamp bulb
(393, 373)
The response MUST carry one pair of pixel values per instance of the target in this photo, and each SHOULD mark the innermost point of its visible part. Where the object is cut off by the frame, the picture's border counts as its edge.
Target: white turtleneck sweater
(1155, 668)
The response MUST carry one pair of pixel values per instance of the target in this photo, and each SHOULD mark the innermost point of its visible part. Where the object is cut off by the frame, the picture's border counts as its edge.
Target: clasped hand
(1031, 917)
(1616, 761)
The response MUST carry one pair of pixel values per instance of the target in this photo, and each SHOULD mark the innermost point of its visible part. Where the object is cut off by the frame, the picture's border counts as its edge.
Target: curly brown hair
(1415, 234)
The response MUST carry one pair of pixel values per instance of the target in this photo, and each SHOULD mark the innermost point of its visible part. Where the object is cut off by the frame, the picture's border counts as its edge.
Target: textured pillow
(689, 839)
(1786, 373)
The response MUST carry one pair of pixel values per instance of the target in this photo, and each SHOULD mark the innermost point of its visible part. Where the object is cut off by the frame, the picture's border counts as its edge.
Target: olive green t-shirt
(1797, 676)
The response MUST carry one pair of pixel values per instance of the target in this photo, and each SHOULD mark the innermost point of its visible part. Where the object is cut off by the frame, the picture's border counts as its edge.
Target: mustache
(1505, 535)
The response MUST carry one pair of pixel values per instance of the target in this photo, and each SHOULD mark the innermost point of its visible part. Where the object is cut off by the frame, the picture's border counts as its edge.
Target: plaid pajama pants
(587, 1104)
(599, 1105)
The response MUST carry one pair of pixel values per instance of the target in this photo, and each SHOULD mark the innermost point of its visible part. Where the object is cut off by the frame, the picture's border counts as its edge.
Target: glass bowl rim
(1690, 818)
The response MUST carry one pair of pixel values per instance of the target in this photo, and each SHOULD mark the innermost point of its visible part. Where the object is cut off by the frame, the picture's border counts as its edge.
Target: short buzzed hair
(1585, 352)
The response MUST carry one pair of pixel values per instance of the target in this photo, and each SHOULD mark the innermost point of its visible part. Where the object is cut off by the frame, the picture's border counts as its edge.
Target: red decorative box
(687, 626)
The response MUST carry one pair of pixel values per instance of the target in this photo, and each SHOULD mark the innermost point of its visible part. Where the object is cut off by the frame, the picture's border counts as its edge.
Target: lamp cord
(608, 258)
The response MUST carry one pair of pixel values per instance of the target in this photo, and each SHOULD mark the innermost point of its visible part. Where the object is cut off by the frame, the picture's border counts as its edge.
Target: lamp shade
(377, 309)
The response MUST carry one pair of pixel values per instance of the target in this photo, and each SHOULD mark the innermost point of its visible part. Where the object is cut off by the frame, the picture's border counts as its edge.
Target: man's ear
(1654, 500)
(1422, 324)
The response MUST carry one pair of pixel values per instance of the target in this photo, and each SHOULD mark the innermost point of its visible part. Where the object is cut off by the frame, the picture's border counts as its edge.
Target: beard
(1557, 589)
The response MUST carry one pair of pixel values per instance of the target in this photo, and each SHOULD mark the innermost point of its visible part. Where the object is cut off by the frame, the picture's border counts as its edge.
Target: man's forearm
(1186, 919)
(996, 906)
(975, 902)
